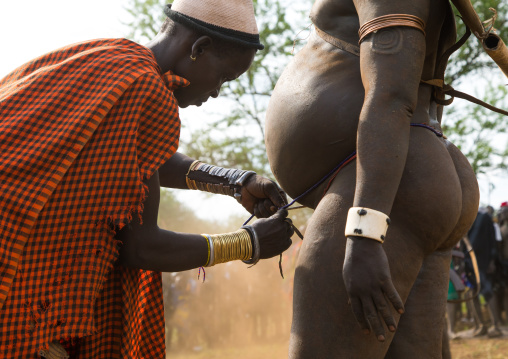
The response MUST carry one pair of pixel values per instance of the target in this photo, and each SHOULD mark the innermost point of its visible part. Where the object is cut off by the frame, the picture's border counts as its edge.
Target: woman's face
(209, 71)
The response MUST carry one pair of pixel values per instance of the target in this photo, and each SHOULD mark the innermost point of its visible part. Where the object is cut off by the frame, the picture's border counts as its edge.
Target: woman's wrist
(227, 247)
(214, 179)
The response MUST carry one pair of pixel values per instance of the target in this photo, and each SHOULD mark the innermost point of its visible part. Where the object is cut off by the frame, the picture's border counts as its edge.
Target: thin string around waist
(343, 163)
(333, 173)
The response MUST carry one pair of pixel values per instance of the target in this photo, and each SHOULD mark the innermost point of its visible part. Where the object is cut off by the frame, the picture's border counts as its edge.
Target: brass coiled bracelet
(390, 20)
(240, 245)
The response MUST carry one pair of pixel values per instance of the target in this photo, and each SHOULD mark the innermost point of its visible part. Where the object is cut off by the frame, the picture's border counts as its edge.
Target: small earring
(193, 58)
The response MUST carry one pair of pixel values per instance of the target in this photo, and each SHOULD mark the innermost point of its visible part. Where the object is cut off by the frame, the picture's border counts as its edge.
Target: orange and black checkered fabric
(80, 129)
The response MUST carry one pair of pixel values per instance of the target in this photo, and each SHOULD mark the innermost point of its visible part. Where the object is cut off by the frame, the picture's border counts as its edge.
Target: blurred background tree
(471, 127)
(242, 110)
(479, 133)
(246, 98)
(471, 59)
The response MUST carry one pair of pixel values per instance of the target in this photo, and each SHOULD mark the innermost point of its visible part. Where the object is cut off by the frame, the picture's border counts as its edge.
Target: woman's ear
(201, 45)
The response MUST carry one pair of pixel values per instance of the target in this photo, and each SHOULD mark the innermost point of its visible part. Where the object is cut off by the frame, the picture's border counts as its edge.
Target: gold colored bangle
(190, 183)
(254, 245)
(231, 246)
(208, 244)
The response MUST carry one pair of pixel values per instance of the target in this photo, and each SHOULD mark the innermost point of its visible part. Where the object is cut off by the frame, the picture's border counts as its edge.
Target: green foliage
(474, 130)
(237, 137)
(244, 144)
(471, 59)
(178, 217)
(209, 145)
(147, 18)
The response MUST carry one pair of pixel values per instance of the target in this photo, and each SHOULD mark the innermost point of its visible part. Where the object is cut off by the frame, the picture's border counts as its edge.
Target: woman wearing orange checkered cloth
(88, 135)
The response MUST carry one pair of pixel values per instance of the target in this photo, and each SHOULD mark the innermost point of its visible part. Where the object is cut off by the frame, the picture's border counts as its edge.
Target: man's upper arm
(391, 59)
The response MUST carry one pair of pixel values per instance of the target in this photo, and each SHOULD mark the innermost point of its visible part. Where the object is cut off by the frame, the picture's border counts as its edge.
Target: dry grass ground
(465, 348)
(483, 348)
(275, 351)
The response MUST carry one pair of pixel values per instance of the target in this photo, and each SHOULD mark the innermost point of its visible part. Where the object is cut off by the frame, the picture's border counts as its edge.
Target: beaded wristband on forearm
(213, 179)
(228, 247)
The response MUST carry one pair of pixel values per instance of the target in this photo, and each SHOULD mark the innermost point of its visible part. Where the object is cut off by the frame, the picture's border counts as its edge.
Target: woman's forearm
(164, 251)
(172, 173)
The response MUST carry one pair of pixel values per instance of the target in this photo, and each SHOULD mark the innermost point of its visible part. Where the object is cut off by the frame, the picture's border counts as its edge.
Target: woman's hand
(274, 234)
(261, 196)
(366, 274)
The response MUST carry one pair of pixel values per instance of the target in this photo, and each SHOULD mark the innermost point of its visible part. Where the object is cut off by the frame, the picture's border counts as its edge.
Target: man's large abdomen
(311, 126)
(312, 117)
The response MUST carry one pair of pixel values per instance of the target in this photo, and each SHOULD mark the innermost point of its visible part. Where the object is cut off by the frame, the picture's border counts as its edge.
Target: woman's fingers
(286, 245)
(262, 208)
(290, 227)
(274, 234)
(276, 195)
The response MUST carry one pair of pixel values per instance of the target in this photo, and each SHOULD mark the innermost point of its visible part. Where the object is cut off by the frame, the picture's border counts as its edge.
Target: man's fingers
(372, 316)
(385, 311)
(356, 306)
(393, 297)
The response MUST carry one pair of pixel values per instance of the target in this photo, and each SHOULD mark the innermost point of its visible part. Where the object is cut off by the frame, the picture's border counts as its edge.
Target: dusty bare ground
(467, 347)
(463, 348)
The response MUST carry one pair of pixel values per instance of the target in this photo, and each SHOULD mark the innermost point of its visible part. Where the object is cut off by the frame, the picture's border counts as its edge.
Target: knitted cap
(231, 20)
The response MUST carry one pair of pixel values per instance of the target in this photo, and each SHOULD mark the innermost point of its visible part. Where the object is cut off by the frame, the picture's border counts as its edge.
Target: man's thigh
(323, 322)
(421, 327)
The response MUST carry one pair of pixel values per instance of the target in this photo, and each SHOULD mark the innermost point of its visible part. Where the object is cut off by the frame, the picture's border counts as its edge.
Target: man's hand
(366, 274)
(274, 234)
(261, 196)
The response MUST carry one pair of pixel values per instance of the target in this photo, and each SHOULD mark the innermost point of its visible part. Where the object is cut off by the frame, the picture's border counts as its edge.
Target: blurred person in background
(497, 268)
(502, 221)
(482, 237)
(89, 134)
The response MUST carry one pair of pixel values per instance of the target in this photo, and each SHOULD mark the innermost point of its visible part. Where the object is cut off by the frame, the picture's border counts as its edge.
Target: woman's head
(216, 41)
(230, 20)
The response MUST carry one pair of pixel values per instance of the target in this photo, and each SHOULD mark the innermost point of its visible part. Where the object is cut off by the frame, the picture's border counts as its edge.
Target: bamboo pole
(492, 43)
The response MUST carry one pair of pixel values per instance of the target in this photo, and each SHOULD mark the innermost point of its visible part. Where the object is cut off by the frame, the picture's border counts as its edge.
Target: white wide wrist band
(368, 223)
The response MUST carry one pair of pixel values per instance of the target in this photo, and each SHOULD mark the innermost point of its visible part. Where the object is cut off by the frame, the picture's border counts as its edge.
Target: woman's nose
(216, 92)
